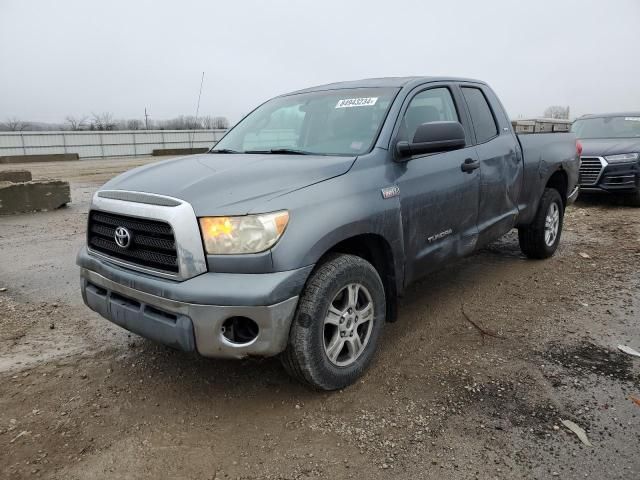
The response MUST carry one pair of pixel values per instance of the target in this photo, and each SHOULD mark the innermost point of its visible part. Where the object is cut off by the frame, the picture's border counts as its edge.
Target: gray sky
(73, 57)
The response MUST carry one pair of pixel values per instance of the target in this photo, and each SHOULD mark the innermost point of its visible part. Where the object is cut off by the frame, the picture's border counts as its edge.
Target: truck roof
(614, 114)
(397, 82)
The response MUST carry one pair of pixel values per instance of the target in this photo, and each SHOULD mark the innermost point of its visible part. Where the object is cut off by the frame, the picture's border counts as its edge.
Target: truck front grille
(590, 170)
(151, 242)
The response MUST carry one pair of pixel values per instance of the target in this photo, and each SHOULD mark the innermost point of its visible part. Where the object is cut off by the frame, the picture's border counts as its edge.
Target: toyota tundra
(297, 232)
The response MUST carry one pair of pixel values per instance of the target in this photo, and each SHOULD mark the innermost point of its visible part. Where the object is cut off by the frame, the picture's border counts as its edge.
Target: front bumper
(189, 315)
(615, 178)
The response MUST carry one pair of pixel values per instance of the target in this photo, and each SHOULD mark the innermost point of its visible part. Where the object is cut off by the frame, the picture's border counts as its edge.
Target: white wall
(104, 144)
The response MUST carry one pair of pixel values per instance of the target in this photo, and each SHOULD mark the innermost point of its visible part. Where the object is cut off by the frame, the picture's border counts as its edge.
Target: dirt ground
(81, 398)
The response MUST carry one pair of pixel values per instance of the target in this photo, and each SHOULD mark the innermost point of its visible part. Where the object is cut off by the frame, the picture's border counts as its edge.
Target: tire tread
(295, 360)
(531, 237)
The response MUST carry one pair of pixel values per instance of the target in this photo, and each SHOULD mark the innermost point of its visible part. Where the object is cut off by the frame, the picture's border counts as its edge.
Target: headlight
(623, 157)
(246, 234)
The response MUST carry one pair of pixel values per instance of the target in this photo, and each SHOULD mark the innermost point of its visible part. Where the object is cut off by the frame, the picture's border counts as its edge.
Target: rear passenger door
(500, 159)
(438, 201)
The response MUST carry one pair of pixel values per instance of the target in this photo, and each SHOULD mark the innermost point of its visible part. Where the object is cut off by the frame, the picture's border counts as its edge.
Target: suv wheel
(541, 237)
(337, 325)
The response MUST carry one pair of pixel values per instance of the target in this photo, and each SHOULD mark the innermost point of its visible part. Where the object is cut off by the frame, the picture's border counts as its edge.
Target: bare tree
(76, 123)
(207, 122)
(220, 122)
(188, 122)
(191, 123)
(134, 124)
(180, 123)
(557, 111)
(14, 124)
(102, 121)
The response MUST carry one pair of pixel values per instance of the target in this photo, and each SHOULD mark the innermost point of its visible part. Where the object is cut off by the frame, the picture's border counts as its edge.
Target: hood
(600, 147)
(230, 184)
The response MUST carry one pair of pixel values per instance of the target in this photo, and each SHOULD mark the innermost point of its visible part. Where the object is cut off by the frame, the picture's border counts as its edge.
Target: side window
(483, 122)
(432, 105)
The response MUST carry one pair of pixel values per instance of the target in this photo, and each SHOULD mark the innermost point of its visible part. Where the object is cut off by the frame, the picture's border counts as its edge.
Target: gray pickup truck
(297, 232)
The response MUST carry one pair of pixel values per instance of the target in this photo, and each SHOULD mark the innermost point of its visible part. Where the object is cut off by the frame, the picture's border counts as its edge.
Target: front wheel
(541, 237)
(337, 325)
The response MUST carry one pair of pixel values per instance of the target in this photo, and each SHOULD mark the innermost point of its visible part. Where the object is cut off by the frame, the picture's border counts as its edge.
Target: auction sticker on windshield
(357, 102)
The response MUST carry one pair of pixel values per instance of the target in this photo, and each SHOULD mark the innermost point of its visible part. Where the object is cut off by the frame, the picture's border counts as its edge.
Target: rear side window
(483, 122)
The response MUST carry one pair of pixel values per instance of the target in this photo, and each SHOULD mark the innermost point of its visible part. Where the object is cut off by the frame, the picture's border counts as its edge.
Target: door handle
(470, 165)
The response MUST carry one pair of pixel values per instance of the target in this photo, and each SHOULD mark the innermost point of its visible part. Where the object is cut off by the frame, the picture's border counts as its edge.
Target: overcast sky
(76, 57)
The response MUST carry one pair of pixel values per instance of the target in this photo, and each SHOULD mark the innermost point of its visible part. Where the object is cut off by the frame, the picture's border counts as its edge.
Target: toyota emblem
(122, 237)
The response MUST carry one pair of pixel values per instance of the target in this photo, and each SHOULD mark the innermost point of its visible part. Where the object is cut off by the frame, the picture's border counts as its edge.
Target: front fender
(330, 212)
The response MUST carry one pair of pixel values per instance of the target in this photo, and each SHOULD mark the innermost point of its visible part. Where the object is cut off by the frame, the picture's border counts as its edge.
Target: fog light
(240, 330)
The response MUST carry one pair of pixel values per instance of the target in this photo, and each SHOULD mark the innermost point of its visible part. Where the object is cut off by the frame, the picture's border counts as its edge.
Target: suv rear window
(483, 122)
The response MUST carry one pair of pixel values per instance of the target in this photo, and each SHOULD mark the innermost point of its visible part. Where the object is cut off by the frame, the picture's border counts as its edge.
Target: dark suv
(610, 154)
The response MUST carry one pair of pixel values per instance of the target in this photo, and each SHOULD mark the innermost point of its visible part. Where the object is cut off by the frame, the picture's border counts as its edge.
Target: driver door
(439, 201)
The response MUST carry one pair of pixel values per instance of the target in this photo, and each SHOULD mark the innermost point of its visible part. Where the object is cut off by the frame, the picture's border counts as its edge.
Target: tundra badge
(440, 235)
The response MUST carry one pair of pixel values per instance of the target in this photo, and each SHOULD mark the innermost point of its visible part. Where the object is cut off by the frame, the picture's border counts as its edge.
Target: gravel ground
(82, 398)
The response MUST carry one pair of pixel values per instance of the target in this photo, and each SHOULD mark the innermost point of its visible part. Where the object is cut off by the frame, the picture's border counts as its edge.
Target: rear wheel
(541, 237)
(337, 325)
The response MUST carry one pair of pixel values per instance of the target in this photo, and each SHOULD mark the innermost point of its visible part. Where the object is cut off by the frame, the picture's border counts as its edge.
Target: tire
(533, 238)
(313, 333)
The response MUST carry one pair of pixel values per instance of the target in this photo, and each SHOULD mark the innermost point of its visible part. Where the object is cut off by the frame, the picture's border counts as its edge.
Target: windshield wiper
(223, 150)
(286, 151)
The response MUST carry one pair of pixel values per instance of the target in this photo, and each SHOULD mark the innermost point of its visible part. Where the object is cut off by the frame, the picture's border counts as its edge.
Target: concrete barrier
(52, 157)
(33, 196)
(15, 176)
(177, 151)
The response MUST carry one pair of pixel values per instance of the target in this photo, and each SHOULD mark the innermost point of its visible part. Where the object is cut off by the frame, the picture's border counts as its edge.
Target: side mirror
(433, 137)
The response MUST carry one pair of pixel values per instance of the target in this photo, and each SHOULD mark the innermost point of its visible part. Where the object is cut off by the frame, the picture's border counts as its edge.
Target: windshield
(330, 122)
(607, 127)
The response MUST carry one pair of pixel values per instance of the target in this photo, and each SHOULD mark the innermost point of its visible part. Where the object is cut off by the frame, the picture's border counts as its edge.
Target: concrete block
(177, 151)
(15, 176)
(53, 157)
(33, 196)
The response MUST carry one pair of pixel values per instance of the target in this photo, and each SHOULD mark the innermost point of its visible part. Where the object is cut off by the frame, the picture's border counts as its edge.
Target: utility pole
(146, 119)
(197, 110)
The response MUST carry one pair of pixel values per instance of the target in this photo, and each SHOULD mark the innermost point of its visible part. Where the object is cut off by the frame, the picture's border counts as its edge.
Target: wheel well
(559, 181)
(375, 250)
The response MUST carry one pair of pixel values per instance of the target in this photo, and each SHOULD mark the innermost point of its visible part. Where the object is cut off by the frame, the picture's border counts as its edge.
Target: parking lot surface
(82, 398)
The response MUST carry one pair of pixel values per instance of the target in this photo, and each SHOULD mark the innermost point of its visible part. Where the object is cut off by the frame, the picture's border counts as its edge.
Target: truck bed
(539, 151)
